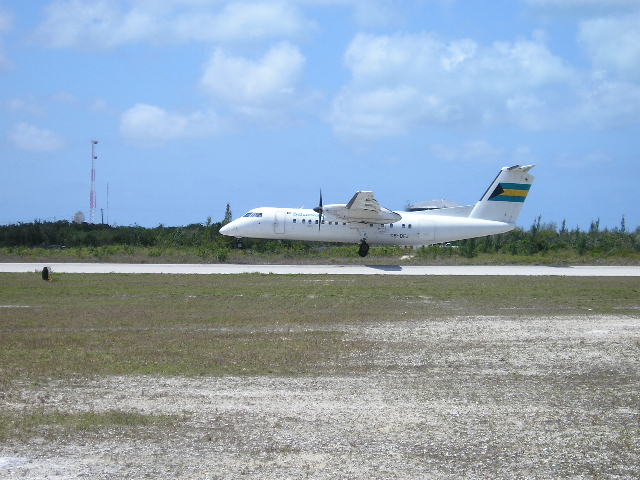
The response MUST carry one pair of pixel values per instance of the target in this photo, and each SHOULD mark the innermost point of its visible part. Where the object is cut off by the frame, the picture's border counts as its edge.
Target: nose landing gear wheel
(364, 249)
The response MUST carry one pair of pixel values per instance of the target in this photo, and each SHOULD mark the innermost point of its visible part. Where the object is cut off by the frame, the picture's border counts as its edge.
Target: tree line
(543, 238)
(539, 238)
(68, 234)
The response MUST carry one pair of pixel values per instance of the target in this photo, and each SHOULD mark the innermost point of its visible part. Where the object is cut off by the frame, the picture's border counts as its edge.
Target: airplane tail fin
(504, 198)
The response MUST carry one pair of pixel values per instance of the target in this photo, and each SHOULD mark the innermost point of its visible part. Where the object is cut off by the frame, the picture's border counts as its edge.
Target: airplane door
(279, 222)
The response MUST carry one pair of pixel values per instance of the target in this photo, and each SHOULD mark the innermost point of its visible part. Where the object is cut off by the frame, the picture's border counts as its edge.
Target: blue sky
(197, 103)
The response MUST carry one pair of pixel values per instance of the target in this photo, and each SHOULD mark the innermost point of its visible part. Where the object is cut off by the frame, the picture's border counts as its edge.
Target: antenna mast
(92, 194)
(107, 203)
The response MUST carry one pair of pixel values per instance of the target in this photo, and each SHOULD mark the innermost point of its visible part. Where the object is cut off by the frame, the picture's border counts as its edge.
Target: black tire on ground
(364, 249)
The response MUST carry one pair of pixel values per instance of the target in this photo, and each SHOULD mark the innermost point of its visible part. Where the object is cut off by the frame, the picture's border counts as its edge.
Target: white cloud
(404, 81)
(4, 60)
(482, 151)
(33, 139)
(149, 124)
(64, 97)
(108, 24)
(111, 23)
(605, 102)
(614, 43)
(376, 13)
(474, 151)
(530, 112)
(387, 111)
(426, 58)
(371, 13)
(38, 106)
(100, 105)
(6, 21)
(242, 22)
(85, 24)
(254, 87)
(29, 104)
(588, 159)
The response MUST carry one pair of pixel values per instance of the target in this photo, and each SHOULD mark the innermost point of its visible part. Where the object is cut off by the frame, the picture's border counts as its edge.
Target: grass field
(249, 324)
(278, 372)
(343, 254)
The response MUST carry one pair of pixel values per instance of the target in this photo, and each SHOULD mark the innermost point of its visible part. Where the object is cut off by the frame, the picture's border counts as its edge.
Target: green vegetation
(518, 365)
(79, 325)
(24, 425)
(543, 243)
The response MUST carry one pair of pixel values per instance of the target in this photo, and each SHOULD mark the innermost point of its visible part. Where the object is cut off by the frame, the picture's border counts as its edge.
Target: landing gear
(239, 243)
(364, 248)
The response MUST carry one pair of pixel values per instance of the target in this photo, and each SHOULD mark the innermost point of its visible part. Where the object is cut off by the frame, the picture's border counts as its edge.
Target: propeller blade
(319, 211)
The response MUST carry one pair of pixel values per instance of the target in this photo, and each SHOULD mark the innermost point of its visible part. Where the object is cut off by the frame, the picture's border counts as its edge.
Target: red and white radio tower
(92, 194)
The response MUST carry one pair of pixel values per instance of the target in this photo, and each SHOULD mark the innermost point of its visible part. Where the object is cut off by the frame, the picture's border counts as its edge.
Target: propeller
(319, 210)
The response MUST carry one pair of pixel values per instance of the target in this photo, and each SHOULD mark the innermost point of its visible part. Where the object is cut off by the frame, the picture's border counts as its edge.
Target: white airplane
(364, 221)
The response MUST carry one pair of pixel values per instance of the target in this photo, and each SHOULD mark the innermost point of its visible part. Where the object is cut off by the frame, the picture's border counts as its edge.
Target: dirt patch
(460, 397)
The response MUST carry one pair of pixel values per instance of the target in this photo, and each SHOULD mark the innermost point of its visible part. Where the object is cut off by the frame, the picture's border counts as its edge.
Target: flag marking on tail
(510, 192)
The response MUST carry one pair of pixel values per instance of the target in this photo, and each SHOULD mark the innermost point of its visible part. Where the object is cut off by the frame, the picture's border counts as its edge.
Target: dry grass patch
(24, 425)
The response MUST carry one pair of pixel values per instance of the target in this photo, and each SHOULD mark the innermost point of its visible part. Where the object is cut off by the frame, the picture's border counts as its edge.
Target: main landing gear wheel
(364, 249)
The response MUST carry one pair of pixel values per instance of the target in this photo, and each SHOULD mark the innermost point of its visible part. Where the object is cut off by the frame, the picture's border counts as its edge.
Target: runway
(213, 269)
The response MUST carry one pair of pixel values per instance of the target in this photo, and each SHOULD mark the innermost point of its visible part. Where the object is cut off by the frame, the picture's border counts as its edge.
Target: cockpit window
(252, 214)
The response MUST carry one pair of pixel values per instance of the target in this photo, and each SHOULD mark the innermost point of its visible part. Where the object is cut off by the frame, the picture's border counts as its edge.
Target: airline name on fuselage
(299, 214)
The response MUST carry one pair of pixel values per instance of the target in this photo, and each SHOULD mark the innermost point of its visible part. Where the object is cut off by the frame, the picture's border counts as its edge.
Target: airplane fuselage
(363, 220)
(413, 229)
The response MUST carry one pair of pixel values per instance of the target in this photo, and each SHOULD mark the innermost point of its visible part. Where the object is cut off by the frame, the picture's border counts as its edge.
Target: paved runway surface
(578, 271)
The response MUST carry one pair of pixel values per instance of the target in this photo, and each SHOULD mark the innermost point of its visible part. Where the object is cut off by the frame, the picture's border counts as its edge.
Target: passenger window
(294, 220)
(316, 222)
(404, 226)
(303, 221)
(409, 225)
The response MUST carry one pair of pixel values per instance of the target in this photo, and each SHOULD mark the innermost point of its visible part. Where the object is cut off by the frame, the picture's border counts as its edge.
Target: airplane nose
(227, 230)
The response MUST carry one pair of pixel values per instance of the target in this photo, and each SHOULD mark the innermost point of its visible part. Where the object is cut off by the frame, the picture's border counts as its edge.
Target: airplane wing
(364, 208)
(363, 201)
